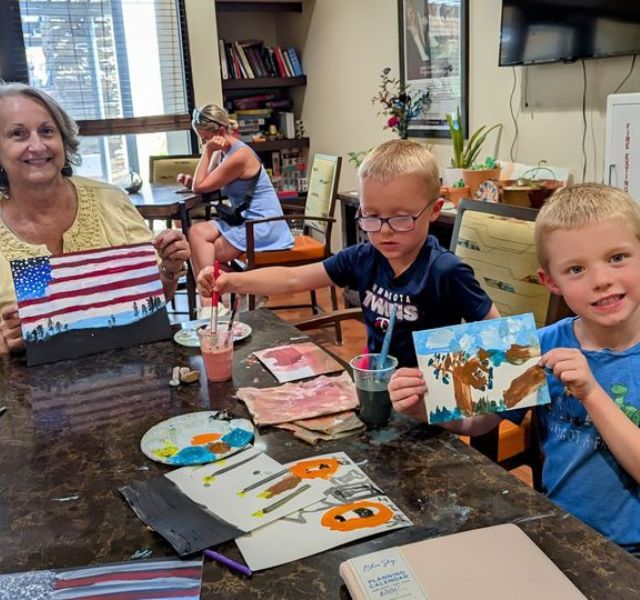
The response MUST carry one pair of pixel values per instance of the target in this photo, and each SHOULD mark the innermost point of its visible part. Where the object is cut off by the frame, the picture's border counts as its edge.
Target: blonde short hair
(396, 158)
(65, 124)
(575, 206)
(211, 117)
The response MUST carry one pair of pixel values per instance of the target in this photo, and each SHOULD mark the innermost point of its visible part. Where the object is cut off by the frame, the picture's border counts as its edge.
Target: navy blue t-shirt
(436, 290)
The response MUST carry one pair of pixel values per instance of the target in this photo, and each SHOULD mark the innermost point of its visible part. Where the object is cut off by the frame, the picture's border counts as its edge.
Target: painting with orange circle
(354, 507)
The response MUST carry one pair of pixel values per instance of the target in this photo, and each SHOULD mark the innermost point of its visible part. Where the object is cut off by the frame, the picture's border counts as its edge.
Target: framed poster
(434, 56)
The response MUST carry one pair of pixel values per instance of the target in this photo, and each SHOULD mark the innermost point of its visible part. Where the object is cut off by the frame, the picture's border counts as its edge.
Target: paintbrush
(382, 359)
(215, 300)
(241, 462)
(257, 484)
(235, 302)
(279, 503)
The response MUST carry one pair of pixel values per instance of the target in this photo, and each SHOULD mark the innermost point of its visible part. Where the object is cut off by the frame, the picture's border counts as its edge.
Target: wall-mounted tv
(544, 31)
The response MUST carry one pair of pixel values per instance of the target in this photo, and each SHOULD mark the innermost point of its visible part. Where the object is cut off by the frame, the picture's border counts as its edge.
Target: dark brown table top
(72, 432)
(161, 201)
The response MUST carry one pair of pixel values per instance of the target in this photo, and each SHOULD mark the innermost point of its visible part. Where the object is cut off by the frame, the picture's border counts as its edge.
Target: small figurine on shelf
(273, 134)
(299, 125)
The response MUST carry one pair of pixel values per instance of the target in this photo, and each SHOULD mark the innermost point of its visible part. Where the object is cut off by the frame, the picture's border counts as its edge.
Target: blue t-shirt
(579, 472)
(436, 290)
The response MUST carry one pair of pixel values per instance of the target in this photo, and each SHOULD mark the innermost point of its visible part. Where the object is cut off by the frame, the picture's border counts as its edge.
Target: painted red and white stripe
(83, 289)
(134, 580)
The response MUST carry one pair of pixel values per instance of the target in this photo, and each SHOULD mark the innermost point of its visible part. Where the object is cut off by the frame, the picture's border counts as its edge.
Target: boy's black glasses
(198, 117)
(398, 224)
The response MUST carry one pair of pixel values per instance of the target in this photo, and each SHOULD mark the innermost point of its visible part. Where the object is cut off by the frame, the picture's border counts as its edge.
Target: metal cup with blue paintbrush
(371, 375)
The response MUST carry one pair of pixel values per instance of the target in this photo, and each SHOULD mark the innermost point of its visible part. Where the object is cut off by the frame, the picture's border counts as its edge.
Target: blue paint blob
(192, 455)
(237, 438)
(497, 357)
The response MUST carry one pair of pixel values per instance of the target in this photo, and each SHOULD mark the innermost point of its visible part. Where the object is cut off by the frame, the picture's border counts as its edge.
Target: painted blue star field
(31, 277)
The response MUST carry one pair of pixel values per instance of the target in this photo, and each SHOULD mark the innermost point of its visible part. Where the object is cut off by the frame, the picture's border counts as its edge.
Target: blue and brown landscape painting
(481, 367)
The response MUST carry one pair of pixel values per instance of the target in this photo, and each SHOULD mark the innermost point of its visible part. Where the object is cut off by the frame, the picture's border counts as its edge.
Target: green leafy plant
(356, 158)
(459, 184)
(489, 163)
(465, 156)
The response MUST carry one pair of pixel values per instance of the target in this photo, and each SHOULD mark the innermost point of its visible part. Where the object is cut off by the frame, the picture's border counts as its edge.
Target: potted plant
(479, 173)
(456, 192)
(464, 156)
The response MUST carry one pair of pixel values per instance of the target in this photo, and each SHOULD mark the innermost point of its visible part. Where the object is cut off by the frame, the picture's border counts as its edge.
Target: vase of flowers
(397, 104)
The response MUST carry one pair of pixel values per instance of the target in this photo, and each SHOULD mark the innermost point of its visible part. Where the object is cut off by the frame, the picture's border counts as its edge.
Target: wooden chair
(165, 169)
(313, 244)
(497, 241)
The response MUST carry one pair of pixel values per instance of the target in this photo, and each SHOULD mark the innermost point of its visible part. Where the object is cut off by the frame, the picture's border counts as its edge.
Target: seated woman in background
(229, 165)
(43, 210)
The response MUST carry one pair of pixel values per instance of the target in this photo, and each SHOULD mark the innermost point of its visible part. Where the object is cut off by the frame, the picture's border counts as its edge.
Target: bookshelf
(270, 146)
(259, 73)
(235, 6)
(263, 83)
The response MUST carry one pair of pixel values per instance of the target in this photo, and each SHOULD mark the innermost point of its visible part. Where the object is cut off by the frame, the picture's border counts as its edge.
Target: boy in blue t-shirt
(588, 244)
(401, 264)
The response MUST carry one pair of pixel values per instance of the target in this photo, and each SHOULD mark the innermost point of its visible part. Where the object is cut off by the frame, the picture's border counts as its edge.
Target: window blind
(116, 66)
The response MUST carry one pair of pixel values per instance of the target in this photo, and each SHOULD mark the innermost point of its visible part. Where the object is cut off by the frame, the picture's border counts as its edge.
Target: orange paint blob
(205, 438)
(322, 468)
(366, 513)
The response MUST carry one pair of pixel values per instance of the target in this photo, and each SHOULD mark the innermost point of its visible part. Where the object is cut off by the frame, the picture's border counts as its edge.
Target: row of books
(258, 101)
(251, 59)
(251, 123)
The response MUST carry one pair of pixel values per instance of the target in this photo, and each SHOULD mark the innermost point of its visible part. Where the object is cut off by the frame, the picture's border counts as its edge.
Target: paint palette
(196, 438)
(189, 337)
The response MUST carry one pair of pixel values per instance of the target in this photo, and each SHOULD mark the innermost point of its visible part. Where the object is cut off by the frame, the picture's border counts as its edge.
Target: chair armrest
(250, 223)
(329, 319)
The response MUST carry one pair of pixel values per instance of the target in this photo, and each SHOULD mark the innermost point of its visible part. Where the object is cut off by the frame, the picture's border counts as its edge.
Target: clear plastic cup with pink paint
(217, 352)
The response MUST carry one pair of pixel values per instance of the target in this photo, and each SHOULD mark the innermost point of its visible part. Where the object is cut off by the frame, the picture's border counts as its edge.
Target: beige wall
(345, 44)
(203, 48)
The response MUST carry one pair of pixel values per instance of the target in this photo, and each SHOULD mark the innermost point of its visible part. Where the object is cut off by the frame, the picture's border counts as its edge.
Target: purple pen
(232, 564)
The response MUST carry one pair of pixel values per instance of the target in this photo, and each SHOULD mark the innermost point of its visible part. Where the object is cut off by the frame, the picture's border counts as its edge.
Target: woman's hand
(217, 142)
(406, 390)
(10, 330)
(207, 283)
(173, 249)
(185, 179)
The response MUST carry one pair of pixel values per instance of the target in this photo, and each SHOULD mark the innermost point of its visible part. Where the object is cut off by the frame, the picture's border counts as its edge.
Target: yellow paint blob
(258, 514)
(167, 451)
(207, 480)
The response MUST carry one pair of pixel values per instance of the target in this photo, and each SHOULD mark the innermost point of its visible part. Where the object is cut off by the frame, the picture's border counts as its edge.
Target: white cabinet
(622, 143)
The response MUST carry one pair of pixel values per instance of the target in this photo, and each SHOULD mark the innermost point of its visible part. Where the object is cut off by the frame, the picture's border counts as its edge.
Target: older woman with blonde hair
(45, 210)
(230, 165)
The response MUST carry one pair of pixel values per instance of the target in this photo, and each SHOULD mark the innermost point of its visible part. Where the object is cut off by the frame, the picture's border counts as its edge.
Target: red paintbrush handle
(215, 298)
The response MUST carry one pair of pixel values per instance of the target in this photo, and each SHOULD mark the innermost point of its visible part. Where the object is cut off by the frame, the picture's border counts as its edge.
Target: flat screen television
(544, 31)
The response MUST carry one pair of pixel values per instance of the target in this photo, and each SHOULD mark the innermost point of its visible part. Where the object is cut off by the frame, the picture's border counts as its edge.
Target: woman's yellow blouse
(105, 218)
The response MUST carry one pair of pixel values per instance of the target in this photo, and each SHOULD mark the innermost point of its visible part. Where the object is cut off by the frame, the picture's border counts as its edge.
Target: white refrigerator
(622, 143)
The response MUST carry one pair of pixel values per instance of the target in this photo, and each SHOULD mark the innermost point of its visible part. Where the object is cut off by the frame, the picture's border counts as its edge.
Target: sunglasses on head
(197, 118)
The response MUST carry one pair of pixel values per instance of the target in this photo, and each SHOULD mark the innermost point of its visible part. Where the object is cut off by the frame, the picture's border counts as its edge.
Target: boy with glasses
(401, 264)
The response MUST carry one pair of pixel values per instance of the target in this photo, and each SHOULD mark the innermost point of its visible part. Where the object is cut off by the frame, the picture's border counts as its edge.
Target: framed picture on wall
(434, 57)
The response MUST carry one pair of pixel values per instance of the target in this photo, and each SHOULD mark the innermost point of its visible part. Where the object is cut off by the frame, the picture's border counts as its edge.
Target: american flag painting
(89, 301)
(166, 579)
